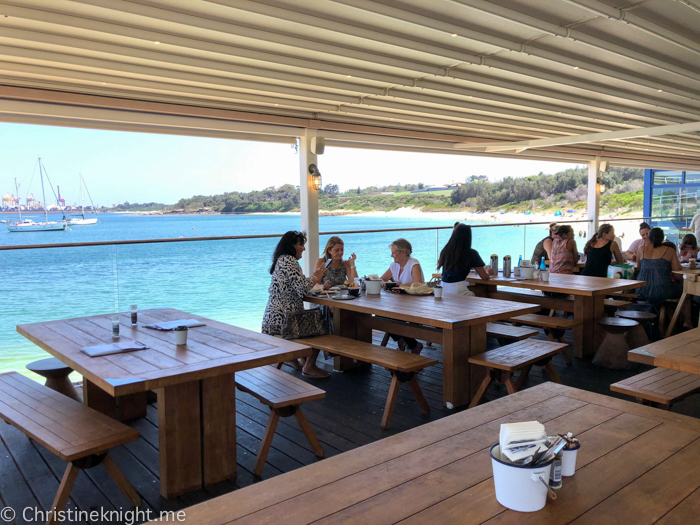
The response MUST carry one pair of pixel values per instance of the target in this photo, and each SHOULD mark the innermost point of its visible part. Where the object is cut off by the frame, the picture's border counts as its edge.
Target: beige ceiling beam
(689, 127)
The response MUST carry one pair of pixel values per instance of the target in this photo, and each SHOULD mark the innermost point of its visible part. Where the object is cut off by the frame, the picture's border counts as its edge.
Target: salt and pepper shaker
(555, 473)
(134, 315)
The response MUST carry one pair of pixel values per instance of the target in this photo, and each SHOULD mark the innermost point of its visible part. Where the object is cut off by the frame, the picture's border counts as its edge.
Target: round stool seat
(613, 350)
(56, 374)
(634, 315)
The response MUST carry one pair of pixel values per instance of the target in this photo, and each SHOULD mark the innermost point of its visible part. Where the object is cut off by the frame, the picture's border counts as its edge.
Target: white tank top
(406, 276)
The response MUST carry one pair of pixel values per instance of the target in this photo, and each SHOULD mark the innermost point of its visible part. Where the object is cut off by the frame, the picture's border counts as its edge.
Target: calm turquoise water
(224, 280)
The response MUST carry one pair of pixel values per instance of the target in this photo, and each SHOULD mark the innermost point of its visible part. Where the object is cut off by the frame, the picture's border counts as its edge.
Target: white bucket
(521, 488)
(527, 273)
(568, 462)
(373, 287)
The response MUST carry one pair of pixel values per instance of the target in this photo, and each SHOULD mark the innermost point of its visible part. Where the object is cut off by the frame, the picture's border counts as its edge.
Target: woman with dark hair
(539, 249)
(287, 291)
(562, 251)
(457, 259)
(655, 262)
(688, 248)
(600, 250)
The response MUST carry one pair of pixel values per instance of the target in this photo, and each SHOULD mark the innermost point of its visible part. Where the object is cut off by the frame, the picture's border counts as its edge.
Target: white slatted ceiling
(516, 69)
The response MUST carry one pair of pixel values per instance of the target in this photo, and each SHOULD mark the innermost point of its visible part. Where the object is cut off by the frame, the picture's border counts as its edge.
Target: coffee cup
(354, 292)
(181, 335)
(544, 276)
(437, 291)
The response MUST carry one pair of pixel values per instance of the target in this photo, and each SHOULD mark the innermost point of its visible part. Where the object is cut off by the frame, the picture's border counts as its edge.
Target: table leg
(180, 439)
(218, 428)
(587, 336)
(457, 346)
(122, 408)
(345, 324)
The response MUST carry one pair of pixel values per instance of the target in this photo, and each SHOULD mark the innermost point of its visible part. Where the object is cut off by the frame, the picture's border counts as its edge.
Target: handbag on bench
(307, 323)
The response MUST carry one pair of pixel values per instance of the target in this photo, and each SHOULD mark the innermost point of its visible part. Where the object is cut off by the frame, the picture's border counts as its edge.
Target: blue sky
(143, 167)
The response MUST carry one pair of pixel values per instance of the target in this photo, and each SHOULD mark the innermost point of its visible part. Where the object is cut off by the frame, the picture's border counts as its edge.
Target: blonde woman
(404, 270)
(337, 271)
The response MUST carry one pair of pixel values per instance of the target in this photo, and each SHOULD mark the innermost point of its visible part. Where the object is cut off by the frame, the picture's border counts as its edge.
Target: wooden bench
(548, 324)
(660, 386)
(284, 394)
(502, 363)
(75, 433)
(509, 332)
(402, 366)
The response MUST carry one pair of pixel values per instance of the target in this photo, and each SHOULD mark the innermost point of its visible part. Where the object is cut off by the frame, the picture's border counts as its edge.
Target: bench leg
(672, 324)
(308, 432)
(552, 372)
(523, 376)
(266, 442)
(120, 479)
(390, 401)
(566, 354)
(64, 490)
(482, 389)
(507, 379)
(418, 393)
(385, 339)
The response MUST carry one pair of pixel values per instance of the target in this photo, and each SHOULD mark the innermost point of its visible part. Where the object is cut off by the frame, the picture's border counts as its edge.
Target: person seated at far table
(337, 271)
(631, 252)
(688, 248)
(656, 262)
(562, 250)
(600, 250)
(286, 293)
(404, 270)
(457, 259)
(539, 249)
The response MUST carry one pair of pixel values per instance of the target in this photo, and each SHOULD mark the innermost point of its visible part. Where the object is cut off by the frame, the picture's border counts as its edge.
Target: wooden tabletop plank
(448, 312)
(212, 350)
(687, 511)
(563, 283)
(441, 472)
(680, 352)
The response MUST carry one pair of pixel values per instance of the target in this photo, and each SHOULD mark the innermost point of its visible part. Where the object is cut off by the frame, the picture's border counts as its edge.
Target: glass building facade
(671, 193)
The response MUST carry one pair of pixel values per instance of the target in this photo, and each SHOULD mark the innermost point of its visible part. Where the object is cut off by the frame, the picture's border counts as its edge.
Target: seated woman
(688, 248)
(404, 270)
(287, 291)
(600, 250)
(336, 271)
(562, 251)
(539, 249)
(655, 262)
(457, 259)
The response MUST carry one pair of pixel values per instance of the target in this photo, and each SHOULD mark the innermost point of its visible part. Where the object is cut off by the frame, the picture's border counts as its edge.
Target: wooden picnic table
(195, 383)
(636, 464)
(680, 352)
(588, 299)
(457, 322)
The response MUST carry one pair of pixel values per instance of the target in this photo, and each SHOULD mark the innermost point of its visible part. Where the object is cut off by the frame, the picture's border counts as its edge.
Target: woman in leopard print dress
(287, 291)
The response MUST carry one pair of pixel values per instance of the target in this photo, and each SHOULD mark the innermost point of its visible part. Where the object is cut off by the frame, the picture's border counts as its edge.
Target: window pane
(689, 201)
(665, 202)
(692, 176)
(668, 177)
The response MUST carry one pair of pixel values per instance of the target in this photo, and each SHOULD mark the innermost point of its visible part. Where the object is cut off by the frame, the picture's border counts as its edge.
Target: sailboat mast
(19, 203)
(82, 200)
(43, 194)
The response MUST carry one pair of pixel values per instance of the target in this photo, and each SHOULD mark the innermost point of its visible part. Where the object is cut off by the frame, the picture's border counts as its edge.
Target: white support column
(309, 201)
(593, 196)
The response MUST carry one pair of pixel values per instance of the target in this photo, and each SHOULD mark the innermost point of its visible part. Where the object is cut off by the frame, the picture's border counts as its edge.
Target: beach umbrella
(557, 213)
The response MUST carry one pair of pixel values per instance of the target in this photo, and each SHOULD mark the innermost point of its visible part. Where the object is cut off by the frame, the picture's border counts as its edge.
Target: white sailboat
(82, 221)
(28, 225)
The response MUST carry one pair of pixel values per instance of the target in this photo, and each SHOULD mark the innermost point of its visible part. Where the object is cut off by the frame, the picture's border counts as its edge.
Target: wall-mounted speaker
(318, 145)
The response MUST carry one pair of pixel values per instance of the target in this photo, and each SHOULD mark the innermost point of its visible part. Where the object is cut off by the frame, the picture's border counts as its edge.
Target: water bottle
(520, 261)
(543, 266)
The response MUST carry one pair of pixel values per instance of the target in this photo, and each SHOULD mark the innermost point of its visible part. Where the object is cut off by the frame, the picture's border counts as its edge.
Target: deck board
(348, 417)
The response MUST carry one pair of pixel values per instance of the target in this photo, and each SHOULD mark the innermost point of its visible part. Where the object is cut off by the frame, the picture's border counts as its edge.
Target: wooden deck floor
(347, 418)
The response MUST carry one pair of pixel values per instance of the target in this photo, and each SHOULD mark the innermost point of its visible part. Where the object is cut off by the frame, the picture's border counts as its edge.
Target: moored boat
(82, 221)
(28, 225)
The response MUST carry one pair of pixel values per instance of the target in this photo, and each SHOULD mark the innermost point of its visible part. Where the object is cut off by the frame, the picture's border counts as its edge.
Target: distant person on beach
(539, 249)
(632, 251)
(287, 291)
(404, 270)
(562, 251)
(600, 250)
(457, 259)
(337, 271)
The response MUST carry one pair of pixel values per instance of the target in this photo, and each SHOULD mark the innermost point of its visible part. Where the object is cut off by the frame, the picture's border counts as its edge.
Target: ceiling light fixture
(454, 34)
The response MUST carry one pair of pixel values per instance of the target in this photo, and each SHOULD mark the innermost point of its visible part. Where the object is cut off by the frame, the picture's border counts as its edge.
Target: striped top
(562, 260)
